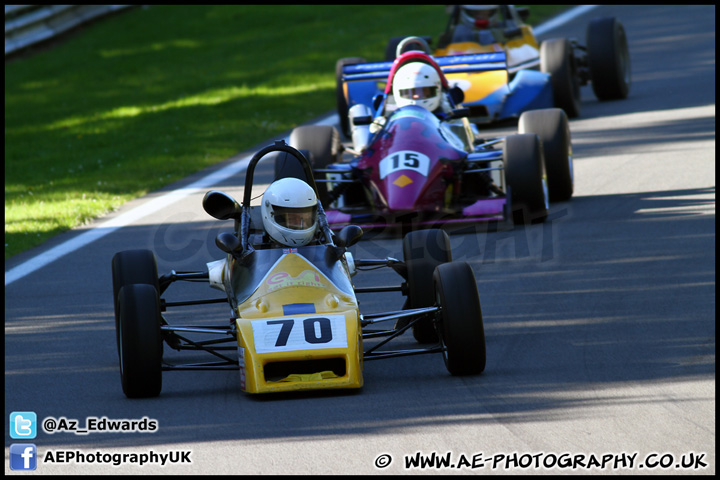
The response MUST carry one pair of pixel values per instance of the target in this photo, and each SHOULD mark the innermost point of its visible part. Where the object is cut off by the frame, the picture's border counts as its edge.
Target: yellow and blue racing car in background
(494, 57)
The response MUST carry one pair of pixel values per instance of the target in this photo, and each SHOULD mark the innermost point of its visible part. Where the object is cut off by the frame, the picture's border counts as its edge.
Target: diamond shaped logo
(402, 181)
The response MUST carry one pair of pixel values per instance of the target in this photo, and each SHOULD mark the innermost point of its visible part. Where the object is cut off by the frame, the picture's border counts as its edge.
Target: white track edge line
(158, 203)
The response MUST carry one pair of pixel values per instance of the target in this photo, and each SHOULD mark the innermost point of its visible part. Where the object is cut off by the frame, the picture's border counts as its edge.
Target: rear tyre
(552, 127)
(461, 323)
(288, 166)
(324, 145)
(391, 48)
(557, 59)
(140, 341)
(608, 59)
(342, 104)
(423, 250)
(526, 178)
(132, 267)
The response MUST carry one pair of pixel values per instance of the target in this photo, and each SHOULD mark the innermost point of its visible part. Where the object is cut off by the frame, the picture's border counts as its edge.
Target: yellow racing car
(295, 322)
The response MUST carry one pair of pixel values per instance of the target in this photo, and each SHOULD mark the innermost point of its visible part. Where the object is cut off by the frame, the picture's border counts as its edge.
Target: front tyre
(526, 178)
(130, 267)
(461, 323)
(140, 341)
(552, 127)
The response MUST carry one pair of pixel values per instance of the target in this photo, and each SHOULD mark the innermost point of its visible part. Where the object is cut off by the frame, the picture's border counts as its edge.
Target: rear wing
(468, 63)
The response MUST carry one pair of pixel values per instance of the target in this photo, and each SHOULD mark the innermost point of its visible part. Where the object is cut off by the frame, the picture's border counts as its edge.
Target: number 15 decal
(405, 160)
(299, 333)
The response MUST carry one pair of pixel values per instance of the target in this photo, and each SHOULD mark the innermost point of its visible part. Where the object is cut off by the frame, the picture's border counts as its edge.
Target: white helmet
(480, 16)
(417, 83)
(289, 212)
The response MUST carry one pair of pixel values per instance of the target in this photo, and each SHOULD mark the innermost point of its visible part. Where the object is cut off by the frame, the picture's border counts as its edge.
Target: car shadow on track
(625, 297)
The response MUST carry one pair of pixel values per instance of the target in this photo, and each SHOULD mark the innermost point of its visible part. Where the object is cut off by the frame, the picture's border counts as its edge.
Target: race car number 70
(299, 333)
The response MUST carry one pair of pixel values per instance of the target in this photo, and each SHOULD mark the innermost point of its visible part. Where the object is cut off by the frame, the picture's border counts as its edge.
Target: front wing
(281, 354)
(300, 352)
(485, 210)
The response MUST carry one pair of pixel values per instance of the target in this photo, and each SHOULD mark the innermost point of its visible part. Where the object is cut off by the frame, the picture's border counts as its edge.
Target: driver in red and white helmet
(480, 16)
(417, 83)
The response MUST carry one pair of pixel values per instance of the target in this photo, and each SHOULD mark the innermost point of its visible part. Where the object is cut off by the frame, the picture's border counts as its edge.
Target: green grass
(149, 96)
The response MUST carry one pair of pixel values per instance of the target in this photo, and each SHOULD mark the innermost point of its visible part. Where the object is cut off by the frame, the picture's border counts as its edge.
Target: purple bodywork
(412, 171)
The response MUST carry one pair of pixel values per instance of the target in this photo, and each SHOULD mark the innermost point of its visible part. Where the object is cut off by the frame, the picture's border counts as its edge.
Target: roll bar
(279, 146)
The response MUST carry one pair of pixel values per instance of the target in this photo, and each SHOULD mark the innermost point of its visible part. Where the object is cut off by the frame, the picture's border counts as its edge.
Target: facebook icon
(23, 456)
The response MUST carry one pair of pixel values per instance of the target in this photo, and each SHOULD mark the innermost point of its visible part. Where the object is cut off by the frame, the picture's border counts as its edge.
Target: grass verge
(151, 95)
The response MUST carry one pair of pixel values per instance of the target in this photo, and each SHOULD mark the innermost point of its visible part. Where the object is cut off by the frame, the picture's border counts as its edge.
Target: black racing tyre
(391, 48)
(342, 104)
(288, 166)
(461, 324)
(552, 127)
(324, 145)
(526, 178)
(608, 58)
(131, 267)
(557, 59)
(140, 341)
(423, 250)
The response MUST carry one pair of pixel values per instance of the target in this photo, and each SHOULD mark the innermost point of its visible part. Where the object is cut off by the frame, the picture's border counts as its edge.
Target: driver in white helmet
(289, 212)
(417, 83)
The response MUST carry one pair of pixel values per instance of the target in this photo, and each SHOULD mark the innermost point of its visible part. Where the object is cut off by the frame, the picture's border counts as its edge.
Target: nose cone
(404, 190)
(407, 161)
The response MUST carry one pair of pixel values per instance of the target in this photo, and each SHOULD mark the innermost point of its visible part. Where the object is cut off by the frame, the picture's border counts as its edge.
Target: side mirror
(229, 243)
(349, 236)
(220, 205)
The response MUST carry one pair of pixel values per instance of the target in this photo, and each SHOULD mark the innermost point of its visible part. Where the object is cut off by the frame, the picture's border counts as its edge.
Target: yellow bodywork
(479, 85)
(303, 351)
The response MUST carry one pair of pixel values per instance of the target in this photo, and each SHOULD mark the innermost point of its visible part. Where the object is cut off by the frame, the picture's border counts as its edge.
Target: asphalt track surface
(600, 323)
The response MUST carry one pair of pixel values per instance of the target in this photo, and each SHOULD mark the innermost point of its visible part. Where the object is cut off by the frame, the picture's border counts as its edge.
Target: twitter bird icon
(23, 425)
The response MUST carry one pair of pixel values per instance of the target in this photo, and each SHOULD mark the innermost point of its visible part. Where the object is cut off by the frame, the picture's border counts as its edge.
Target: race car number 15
(404, 160)
(299, 333)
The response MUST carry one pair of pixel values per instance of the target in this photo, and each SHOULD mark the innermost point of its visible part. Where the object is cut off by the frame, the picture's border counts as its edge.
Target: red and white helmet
(480, 16)
(289, 212)
(417, 83)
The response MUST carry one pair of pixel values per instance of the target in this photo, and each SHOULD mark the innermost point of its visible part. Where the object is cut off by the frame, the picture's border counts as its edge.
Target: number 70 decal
(299, 333)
